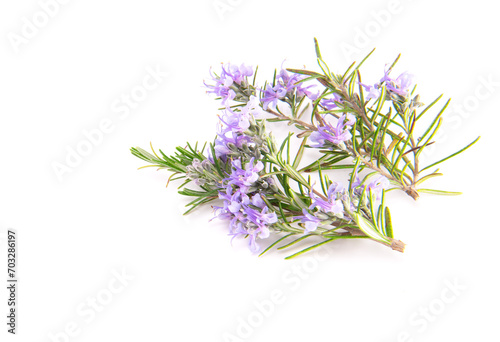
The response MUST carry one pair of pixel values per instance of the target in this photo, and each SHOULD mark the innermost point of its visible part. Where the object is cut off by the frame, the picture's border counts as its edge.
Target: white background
(188, 283)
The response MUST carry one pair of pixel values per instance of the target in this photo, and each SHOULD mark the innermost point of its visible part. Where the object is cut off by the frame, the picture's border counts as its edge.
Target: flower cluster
(286, 85)
(264, 188)
(226, 84)
(245, 209)
(335, 131)
(399, 86)
(339, 203)
(331, 206)
(330, 103)
(240, 142)
(238, 132)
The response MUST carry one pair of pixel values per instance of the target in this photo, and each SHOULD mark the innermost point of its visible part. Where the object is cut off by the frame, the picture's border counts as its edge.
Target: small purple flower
(336, 133)
(235, 121)
(246, 220)
(271, 95)
(252, 108)
(287, 81)
(377, 185)
(223, 83)
(333, 204)
(258, 201)
(261, 218)
(244, 178)
(330, 103)
(311, 221)
(226, 137)
(373, 91)
(303, 90)
(292, 82)
(401, 85)
(235, 73)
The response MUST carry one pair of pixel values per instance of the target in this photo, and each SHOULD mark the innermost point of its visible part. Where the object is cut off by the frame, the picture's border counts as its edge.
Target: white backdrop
(103, 250)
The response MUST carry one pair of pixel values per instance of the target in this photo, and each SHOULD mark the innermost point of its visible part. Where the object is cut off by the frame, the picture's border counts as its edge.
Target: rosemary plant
(264, 187)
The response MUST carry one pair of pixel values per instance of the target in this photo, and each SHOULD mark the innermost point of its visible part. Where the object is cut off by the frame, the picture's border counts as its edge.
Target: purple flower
(377, 185)
(330, 103)
(223, 83)
(244, 219)
(252, 108)
(292, 82)
(235, 121)
(311, 221)
(336, 133)
(272, 94)
(333, 204)
(286, 83)
(258, 201)
(244, 178)
(226, 138)
(261, 218)
(373, 91)
(401, 85)
(236, 74)
(303, 90)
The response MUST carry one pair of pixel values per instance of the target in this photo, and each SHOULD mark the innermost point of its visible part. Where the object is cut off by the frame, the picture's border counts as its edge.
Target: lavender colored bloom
(225, 139)
(223, 83)
(286, 83)
(330, 103)
(258, 201)
(401, 85)
(335, 133)
(304, 90)
(377, 185)
(333, 204)
(231, 209)
(235, 73)
(244, 178)
(272, 94)
(291, 82)
(261, 218)
(311, 221)
(245, 220)
(235, 121)
(373, 91)
(252, 108)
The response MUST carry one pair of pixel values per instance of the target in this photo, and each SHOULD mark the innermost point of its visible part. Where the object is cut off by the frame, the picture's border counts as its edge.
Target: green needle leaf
(451, 155)
(309, 248)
